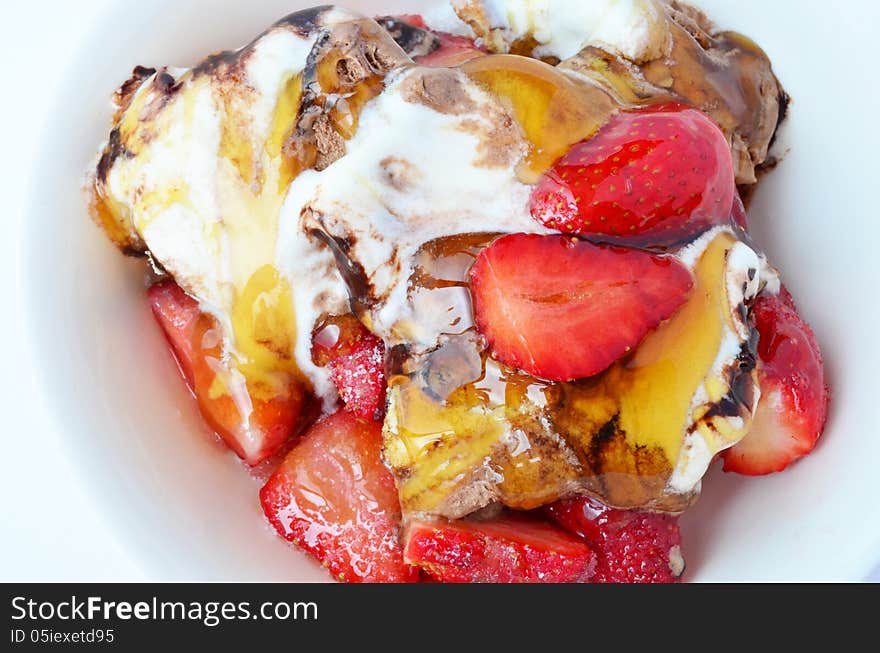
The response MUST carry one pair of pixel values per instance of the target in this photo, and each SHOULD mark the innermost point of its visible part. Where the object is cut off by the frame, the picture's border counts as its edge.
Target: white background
(48, 529)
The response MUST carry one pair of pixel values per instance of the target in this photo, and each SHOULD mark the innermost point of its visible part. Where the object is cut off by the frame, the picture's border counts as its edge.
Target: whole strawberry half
(505, 550)
(562, 309)
(793, 408)
(631, 546)
(356, 360)
(656, 176)
(333, 497)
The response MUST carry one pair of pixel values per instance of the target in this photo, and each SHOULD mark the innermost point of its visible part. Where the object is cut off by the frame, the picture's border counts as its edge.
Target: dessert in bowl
(479, 291)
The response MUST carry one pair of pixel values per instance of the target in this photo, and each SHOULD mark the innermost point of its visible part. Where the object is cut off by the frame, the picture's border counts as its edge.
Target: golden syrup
(553, 109)
(264, 323)
(263, 319)
(441, 443)
(283, 126)
(646, 403)
(235, 142)
(118, 220)
(458, 417)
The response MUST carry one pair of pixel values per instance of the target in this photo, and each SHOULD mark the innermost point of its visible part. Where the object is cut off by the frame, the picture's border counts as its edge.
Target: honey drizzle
(553, 109)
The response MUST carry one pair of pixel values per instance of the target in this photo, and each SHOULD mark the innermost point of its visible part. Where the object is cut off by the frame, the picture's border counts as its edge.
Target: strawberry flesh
(655, 177)
(356, 360)
(562, 309)
(179, 316)
(631, 546)
(333, 497)
(194, 339)
(506, 550)
(793, 408)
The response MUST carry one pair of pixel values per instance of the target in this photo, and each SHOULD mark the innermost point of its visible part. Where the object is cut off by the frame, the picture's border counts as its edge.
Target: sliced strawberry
(793, 407)
(195, 340)
(562, 309)
(631, 546)
(356, 359)
(651, 177)
(179, 315)
(507, 550)
(333, 497)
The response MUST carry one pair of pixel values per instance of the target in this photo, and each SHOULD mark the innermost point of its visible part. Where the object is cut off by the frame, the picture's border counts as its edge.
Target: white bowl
(189, 510)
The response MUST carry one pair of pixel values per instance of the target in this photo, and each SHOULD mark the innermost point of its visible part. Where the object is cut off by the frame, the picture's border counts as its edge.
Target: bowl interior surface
(189, 510)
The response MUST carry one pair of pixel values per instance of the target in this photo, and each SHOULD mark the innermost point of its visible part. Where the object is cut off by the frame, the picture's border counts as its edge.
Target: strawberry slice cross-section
(505, 550)
(333, 497)
(561, 309)
(197, 346)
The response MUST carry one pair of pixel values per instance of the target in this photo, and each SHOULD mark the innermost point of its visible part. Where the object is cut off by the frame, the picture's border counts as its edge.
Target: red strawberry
(562, 309)
(793, 407)
(356, 359)
(652, 177)
(631, 546)
(508, 550)
(178, 314)
(198, 350)
(415, 20)
(333, 497)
